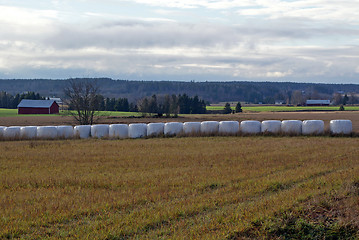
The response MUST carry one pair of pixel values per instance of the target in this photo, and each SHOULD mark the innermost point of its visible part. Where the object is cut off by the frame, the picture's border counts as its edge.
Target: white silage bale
(311, 127)
(292, 127)
(118, 131)
(173, 128)
(250, 127)
(209, 127)
(271, 126)
(28, 132)
(47, 132)
(155, 129)
(137, 130)
(2, 128)
(12, 132)
(82, 131)
(228, 127)
(341, 126)
(190, 128)
(65, 132)
(100, 131)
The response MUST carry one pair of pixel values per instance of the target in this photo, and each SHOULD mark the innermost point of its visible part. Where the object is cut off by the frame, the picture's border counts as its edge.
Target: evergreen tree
(238, 107)
(227, 108)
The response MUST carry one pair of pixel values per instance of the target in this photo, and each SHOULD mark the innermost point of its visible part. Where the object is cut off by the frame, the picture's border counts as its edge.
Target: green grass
(286, 108)
(8, 112)
(180, 188)
(13, 112)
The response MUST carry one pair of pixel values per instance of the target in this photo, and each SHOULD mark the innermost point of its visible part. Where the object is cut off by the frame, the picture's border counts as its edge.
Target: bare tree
(82, 98)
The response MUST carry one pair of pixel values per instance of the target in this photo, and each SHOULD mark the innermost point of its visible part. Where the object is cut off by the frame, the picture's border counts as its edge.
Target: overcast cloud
(261, 40)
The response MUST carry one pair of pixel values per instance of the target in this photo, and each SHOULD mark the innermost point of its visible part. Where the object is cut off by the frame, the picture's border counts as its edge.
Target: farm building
(317, 102)
(37, 107)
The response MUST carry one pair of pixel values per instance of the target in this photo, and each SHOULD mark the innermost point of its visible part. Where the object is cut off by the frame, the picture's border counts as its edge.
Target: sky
(183, 40)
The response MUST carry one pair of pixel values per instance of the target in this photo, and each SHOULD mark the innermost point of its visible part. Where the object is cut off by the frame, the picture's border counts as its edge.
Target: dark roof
(36, 103)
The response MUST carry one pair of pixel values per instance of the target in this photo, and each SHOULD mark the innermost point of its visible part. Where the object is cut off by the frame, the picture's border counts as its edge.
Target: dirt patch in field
(65, 120)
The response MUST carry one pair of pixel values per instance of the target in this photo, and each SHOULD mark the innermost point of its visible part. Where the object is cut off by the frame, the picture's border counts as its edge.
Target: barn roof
(35, 103)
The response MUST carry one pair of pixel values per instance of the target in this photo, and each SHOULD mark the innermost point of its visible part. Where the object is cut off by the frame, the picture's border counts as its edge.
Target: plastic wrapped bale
(118, 131)
(312, 127)
(65, 132)
(28, 132)
(271, 126)
(47, 132)
(100, 131)
(82, 131)
(209, 127)
(173, 128)
(228, 127)
(341, 126)
(293, 127)
(191, 128)
(155, 129)
(137, 130)
(250, 127)
(12, 132)
(2, 128)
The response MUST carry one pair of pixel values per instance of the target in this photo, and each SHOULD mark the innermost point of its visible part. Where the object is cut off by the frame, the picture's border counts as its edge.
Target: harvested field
(181, 188)
(66, 120)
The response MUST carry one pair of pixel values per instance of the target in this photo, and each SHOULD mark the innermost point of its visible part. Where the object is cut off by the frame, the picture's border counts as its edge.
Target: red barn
(37, 107)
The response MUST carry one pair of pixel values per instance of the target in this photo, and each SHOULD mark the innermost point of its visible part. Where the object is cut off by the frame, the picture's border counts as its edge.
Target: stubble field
(181, 188)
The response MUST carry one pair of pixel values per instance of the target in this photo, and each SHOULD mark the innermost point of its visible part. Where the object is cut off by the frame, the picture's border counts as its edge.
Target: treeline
(213, 92)
(9, 101)
(181, 104)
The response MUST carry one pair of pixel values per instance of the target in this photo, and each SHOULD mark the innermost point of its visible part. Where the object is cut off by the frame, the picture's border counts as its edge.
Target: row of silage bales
(341, 126)
(118, 131)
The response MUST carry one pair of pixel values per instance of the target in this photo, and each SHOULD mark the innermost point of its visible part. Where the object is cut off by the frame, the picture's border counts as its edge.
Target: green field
(285, 108)
(180, 188)
(13, 112)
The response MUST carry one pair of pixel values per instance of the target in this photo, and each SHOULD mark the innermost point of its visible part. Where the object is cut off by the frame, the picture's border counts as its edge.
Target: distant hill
(253, 92)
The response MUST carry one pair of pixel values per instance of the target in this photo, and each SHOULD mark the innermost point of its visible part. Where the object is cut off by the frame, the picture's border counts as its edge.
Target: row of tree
(181, 104)
(9, 101)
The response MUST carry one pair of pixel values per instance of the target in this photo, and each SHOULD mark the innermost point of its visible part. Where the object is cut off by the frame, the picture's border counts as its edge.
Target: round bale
(118, 131)
(271, 126)
(47, 132)
(28, 132)
(100, 131)
(12, 132)
(82, 131)
(341, 126)
(65, 132)
(228, 127)
(191, 128)
(173, 128)
(250, 127)
(292, 127)
(209, 127)
(312, 127)
(137, 130)
(155, 129)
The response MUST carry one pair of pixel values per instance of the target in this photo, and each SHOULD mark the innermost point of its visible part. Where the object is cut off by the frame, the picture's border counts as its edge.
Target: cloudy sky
(255, 40)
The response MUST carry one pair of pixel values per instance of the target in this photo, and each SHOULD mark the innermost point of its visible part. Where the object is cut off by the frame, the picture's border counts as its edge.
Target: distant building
(279, 102)
(38, 107)
(317, 102)
(57, 100)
